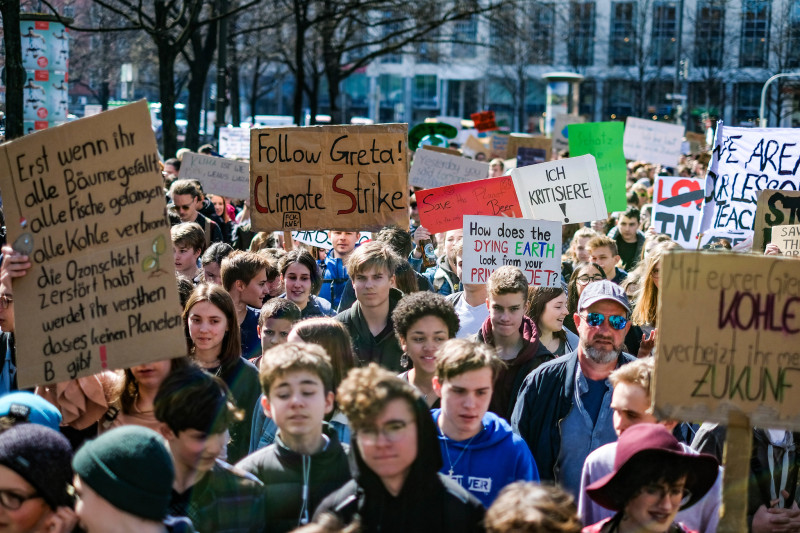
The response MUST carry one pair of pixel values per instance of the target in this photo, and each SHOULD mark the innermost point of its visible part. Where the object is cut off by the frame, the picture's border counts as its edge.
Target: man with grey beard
(563, 408)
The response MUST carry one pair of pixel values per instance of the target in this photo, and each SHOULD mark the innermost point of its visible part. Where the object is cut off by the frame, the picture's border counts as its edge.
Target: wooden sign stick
(736, 459)
(288, 243)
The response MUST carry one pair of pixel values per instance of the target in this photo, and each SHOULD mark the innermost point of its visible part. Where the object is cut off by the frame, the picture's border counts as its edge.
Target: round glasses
(392, 431)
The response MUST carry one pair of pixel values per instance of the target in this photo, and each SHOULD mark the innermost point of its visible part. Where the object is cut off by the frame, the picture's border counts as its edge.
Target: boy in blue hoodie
(479, 450)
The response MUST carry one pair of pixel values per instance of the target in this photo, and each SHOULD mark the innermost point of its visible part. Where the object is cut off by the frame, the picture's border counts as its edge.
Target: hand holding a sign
(15, 264)
(772, 249)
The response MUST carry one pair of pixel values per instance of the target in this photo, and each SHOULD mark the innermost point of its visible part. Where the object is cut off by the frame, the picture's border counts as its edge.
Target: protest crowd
(363, 383)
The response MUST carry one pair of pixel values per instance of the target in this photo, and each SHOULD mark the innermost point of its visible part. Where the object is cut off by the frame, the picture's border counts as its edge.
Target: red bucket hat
(646, 444)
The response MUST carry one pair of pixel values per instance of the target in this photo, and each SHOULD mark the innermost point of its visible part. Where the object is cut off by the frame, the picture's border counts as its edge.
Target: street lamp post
(762, 112)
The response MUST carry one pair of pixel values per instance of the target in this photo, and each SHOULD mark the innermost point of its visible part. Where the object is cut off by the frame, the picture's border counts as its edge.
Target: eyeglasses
(586, 278)
(6, 301)
(615, 321)
(676, 494)
(392, 431)
(183, 207)
(13, 501)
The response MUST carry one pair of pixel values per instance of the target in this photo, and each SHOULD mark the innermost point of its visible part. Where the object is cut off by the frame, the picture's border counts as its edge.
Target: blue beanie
(28, 407)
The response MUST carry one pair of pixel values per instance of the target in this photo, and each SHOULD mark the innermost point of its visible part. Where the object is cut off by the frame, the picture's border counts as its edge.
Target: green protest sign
(603, 140)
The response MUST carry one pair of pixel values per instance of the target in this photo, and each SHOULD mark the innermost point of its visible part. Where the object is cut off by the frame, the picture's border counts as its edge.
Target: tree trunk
(236, 105)
(166, 86)
(299, 54)
(15, 74)
(194, 105)
(254, 88)
(337, 114)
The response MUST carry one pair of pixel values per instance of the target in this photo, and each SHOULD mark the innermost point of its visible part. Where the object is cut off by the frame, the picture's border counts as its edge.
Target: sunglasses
(615, 321)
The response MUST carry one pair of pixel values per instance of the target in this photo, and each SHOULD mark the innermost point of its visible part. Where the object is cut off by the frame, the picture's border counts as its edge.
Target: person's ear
(258, 331)
(166, 432)
(329, 398)
(576, 317)
(402, 342)
(437, 386)
(265, 406)
(393, 280)
(669, 424)
(239, 284)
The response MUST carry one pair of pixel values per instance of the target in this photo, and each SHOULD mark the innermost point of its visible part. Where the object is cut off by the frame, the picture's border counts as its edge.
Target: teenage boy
(369, 320)
(511, 333)
(187, 245)
(187, 199)
(195, 411)
(306, 462)
(334, 267)
(479, 449)
(628, 238)
(244, 276)
(470, 303)
(603, 251)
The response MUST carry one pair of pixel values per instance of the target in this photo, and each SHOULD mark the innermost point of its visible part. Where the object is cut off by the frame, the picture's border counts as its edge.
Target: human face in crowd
(422, 340)
(193, 449)
(32, 512)
(555, 310)
(656, 275)
(372, 286)
(275, 332)
(495, 170)
(601, 344)
(602, 256)
(211, 273)
(451, 238)
(152, 375)
(219, 205)
(6, 310)
(599, 226)
(254, 292)
(627, 227)
(94, 512)
(631, 406)
(580, 250)
(586, 276)
(297, 279)
(465, 399)
(186, 206)
(344, 242)
(170, 169)
(185, 259)
(654, 508)
(297, 403)
(389, 446)
(506, 312)
(207, 327)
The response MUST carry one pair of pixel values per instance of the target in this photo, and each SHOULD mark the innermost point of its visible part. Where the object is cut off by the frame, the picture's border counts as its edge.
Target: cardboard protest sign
(498, 143)
(442, 209)
(85, 201)
(434, 169)
(532, 245)
(484, 121)
(744, 162)
(530, 156)
(560, 132)
(329, 177)
(678, 208)
(523, 140)
(604, 141)
(218, 175)
(441, 149)
(234, 142)
(787, 238)
(566, 190)
(474, 146)
(774, 207)
(726, 326)
(652, 141)
(320, 239)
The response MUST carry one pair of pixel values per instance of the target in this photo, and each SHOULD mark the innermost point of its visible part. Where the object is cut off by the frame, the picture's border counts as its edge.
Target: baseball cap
(603, 290)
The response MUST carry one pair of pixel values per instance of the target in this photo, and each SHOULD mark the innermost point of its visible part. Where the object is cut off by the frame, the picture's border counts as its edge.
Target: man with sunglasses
(569, 398)
(186, 200)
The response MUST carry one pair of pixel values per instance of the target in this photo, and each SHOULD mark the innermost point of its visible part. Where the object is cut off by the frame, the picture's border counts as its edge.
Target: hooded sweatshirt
(384, 348)
(509, 379)
(428, 501)
(488, 461)
(442, 278)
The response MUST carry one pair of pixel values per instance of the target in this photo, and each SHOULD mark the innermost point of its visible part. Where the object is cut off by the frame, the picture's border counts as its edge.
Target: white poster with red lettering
(678, 209)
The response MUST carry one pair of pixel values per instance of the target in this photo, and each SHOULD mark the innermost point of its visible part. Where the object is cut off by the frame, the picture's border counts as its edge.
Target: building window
(748, 103)
(623, 34)
(709, 33)
(542, 29)
(425, 91)
(465, 34)
(755, 28)
(580, 46)
(793, 41)
(391, 88)
(664, 34)
(390, 28)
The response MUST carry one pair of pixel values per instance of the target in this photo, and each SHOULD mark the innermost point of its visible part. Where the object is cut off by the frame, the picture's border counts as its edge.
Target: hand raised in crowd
(420, 234)
(777, 519)
(15, 264)
(772, 249)
(648, 343)
(63, 520)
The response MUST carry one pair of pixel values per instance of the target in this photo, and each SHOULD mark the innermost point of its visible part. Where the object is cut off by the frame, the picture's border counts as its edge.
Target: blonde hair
(528, 507)
(645, 310)
(372, 254)
(639, 372)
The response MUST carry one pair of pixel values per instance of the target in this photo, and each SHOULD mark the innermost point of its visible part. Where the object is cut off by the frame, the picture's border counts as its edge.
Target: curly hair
(366, 391)
(528, 507)
(419, 305)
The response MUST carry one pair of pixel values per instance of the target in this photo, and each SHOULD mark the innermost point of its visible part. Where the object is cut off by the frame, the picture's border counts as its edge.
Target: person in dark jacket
(306, 462)
(513, 334)
(570, 397)
(369, 321)
(396, 459)
(301, 277)
(629, 239)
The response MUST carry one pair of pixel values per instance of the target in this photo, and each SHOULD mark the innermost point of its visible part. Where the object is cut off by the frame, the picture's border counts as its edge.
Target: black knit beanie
(131, 468)
(42, 457)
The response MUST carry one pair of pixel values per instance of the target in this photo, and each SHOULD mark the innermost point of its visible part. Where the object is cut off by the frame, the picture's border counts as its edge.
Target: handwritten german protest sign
(218, 175)
(433, 169)
(441, 209)
(523, 140)
(774, 207)
(652, 141)
(234, 142)
(566, 190)
(321, 239)
(603, 140)
(498, 143)
(560, 132)
(744, 162)
(727, 340)
(532, 245)
(678, 208)
(86, 202)
(787, 238)
(329, 177)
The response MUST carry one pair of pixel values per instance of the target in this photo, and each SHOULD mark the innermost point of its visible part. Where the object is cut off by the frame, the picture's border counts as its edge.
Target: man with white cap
(570, 397)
